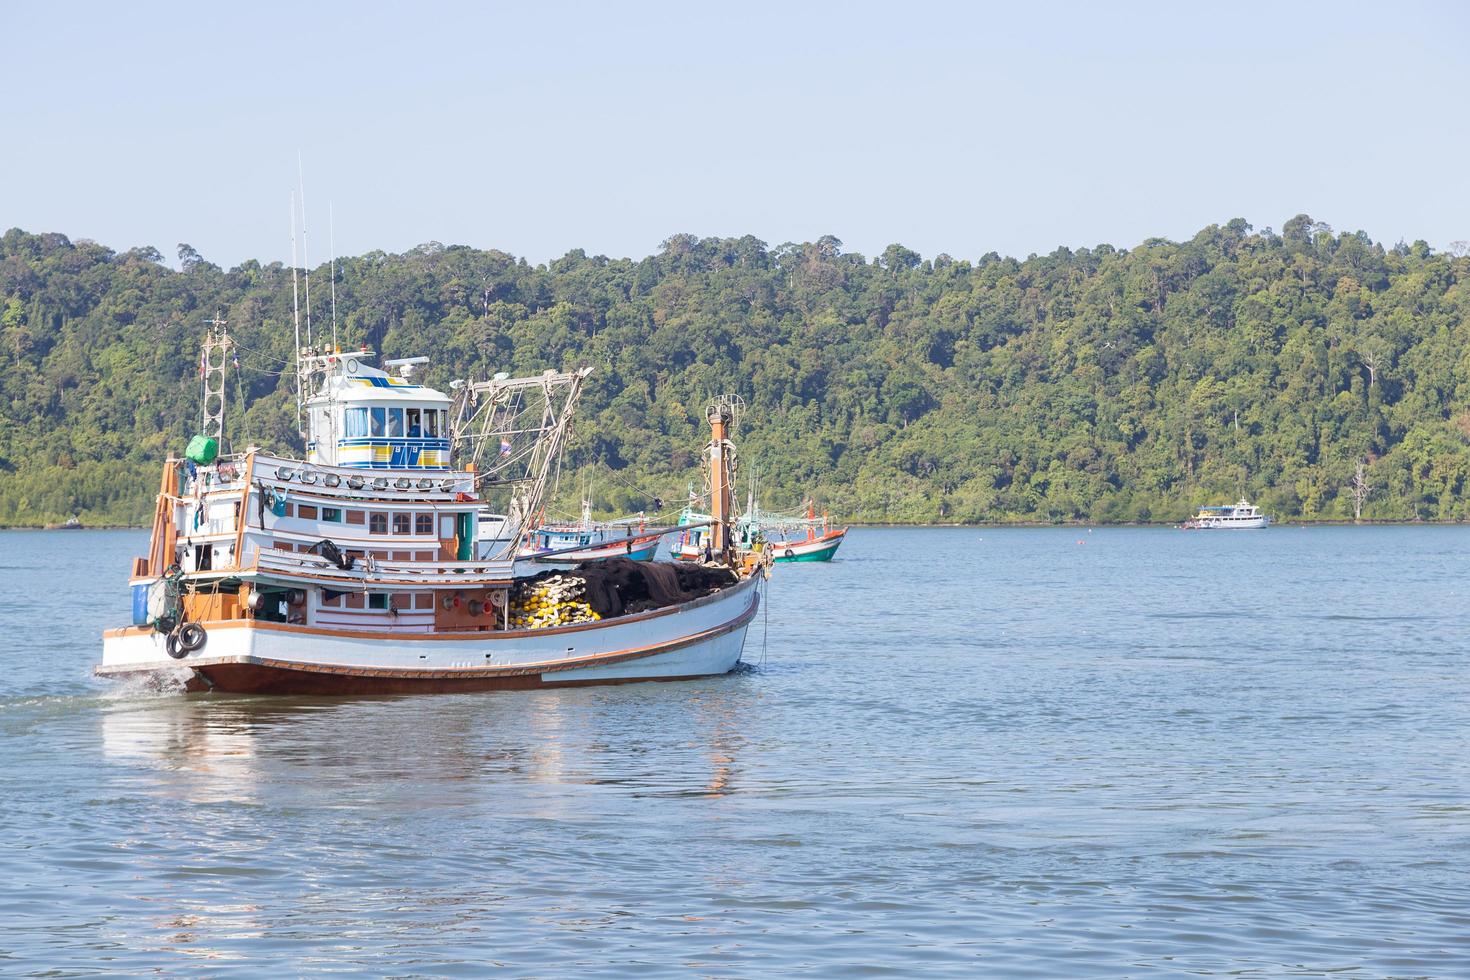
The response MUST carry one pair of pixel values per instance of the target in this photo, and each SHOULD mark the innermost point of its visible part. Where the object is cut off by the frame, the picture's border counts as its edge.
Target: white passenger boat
(1241, 516)
(357, 569)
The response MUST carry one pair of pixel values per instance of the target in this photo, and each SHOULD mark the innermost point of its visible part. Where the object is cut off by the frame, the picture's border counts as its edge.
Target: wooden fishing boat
(589, 540)
(356, 570)
(784, 538)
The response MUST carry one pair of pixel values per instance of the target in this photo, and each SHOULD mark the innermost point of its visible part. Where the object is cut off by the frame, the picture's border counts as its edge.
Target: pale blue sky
(541, 127)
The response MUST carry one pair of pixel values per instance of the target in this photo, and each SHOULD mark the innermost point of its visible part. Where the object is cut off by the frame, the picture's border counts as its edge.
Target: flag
(203, 364)
(504, 448)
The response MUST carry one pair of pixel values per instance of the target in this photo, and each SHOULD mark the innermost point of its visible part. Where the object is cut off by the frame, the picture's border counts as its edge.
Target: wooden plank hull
(697, 639)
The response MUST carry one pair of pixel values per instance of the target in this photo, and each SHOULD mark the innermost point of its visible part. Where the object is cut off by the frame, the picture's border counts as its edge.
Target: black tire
(789, 554)
(173, 647)
(192, 637)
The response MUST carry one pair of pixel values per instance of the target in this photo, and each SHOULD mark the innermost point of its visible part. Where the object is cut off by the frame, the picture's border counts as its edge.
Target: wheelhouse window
(380, 422)
(415, 423)
(395, 423)
(357, 423)
(423, 524)
(432, 420)
(400, 523)
(377, 523)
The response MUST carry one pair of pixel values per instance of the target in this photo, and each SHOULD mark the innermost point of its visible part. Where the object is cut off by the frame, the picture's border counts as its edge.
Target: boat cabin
(365, 418)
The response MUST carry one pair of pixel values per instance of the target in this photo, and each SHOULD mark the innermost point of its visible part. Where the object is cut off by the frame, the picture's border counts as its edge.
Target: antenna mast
(332, 247)
(305, 261)
(296, 317)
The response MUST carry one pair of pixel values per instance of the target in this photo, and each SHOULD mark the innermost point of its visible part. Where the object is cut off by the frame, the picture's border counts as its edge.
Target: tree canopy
(1090, 384)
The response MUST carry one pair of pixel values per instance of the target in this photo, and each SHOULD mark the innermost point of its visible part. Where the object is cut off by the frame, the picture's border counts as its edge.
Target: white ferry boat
(1242, 516)
(357, 570)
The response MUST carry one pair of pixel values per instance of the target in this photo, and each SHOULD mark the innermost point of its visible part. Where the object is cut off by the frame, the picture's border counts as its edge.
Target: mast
(296, 318)
(722, 414)
(213, 357)
(332, 247)
(305, 261)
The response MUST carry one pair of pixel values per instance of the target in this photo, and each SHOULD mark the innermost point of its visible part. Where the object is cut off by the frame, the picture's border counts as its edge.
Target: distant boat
(72, 523)
(588, 540)
(787, 539)
(1240, 516)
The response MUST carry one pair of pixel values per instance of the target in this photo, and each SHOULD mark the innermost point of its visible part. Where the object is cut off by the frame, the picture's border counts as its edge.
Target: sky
(539, 128)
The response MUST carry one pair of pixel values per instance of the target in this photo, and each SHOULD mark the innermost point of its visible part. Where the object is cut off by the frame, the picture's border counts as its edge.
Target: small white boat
(1240, 516)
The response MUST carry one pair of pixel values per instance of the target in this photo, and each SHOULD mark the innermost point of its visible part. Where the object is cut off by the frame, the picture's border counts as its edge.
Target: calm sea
(997, 752)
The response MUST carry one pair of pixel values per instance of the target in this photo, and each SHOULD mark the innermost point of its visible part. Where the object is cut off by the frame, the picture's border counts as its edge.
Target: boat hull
(701, 638)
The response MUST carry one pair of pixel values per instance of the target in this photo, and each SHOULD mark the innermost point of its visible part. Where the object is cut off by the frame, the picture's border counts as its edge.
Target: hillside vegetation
(1094, 384)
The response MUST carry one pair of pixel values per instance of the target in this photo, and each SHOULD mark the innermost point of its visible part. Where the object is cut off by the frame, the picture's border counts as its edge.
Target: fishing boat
(588, 540)
(785, 538)
(355, 569)
(1240, 516)
(808, 539)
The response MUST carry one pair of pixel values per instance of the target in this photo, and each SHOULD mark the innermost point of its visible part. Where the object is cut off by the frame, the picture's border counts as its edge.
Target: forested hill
(1093, 385)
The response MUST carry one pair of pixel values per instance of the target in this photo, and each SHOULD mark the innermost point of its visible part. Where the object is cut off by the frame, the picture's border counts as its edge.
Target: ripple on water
(1043, 760)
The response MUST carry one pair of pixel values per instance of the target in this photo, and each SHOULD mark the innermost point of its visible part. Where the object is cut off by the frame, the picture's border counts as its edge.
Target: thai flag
(504, 448)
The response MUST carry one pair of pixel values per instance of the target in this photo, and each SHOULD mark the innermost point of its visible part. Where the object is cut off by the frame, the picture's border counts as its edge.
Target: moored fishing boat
(784, 538)
(588, 540)
(357, 568)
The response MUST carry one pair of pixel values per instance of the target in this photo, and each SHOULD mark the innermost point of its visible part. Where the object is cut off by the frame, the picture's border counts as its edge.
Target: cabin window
(333, 514)
(423, 600)
(415, 423)
(395, 423)
(307, 511)
(330, 598)
(446, 527)
(423, 524)
(400, 523)
(378, 600)
(377, 523)
(379, 417)
(357, 423)
(356, 517)
(432, 426)
(354, 600)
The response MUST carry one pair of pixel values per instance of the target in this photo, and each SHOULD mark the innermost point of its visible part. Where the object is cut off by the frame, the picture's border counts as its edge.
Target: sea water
(1042, 752)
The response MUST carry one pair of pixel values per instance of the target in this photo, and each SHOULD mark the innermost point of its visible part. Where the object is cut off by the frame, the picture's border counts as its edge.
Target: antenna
(296, 316)
(332, 247)
(305, 262)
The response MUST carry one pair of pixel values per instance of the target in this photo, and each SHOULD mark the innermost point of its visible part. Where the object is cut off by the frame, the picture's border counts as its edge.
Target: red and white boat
(355, 570)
